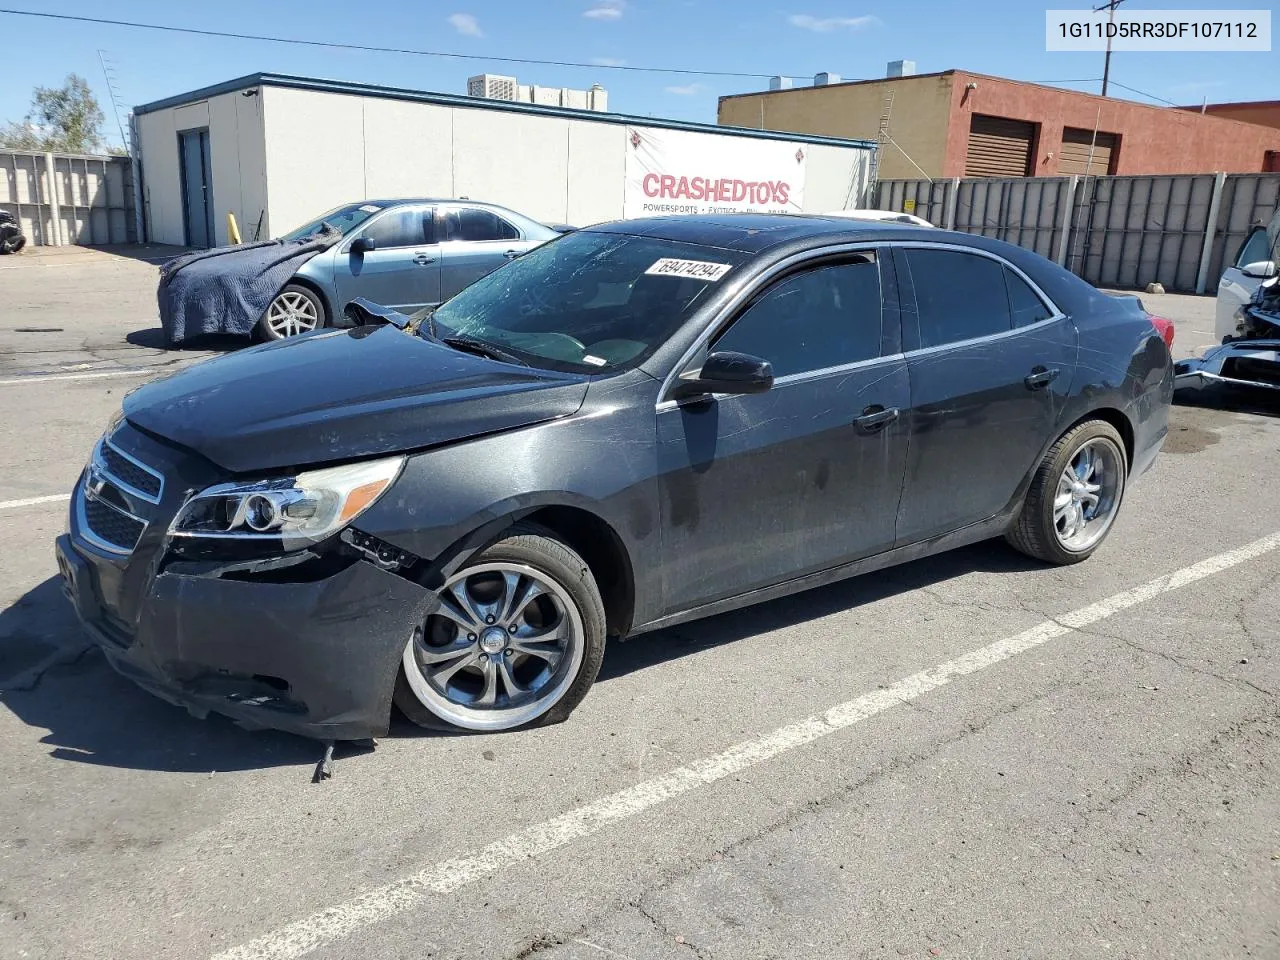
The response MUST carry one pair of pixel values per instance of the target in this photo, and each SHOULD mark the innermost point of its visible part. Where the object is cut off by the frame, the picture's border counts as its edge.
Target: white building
(276, 151)
(492, 86)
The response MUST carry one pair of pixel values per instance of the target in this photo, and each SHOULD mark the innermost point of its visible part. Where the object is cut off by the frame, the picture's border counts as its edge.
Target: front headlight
(296, 510)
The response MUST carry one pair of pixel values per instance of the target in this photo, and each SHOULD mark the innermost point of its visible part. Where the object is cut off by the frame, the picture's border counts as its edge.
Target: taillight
(1165, 329)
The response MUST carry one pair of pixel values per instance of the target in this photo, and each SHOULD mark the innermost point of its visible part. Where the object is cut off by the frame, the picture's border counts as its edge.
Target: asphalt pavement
(968, 756)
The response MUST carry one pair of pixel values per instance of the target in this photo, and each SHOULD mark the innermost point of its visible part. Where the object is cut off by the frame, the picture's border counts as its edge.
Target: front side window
(1257, 247)
(824, 317)
(399, 228)
(473, 226)
(588, 302)
(959, 296)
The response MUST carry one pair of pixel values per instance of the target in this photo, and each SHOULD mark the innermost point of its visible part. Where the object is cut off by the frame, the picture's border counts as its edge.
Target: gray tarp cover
(228, 289)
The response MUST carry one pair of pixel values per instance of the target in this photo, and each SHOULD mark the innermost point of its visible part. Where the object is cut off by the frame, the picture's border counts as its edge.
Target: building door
(197, 191)
(999, 147)
(1086, 152)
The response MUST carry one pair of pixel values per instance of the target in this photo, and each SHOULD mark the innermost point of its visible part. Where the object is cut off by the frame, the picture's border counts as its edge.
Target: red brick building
(1264, 112)
(957, 124)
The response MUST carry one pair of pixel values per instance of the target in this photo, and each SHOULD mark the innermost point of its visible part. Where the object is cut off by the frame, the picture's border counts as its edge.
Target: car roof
(760, 232)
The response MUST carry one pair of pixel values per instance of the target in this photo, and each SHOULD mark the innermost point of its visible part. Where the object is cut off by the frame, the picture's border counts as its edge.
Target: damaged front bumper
(1242, 363)
(317, 658)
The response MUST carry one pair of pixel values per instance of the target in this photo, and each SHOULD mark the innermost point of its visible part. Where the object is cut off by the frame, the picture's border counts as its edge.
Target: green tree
(64, 119)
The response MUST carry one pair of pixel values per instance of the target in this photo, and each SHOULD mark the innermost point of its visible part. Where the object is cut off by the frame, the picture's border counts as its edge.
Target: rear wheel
(1074, 496)
(516, 641)
(295, 310)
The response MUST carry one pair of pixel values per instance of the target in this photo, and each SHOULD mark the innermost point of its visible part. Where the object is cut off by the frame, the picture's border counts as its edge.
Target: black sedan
(634, 425)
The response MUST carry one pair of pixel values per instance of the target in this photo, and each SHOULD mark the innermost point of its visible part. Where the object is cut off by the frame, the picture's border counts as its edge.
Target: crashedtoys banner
(671, 171)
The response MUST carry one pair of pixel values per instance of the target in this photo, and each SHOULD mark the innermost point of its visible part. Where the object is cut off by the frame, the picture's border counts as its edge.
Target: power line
(371, 49)
(1143, 93)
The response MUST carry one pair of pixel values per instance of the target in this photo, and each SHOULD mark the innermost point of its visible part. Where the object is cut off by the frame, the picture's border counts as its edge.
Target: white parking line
(97, 375)
(382, 903)
(32, 501)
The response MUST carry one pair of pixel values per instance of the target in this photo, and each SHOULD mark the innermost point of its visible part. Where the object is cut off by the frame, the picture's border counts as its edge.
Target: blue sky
(853, 38)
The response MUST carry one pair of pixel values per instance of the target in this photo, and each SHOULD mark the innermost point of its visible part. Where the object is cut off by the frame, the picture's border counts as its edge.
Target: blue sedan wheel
(294, 311)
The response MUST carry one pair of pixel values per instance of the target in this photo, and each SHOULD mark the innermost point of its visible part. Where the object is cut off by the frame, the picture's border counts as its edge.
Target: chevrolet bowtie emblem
(94, 483)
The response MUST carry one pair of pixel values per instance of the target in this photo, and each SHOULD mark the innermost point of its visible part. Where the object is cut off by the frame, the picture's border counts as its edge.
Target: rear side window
(474, 226)
(959, 296)
(1025, 306)
(824, 317)
(399, 228)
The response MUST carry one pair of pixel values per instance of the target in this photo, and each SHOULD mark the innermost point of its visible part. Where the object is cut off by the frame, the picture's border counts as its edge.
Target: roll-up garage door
(1077, 145)
(999, 147)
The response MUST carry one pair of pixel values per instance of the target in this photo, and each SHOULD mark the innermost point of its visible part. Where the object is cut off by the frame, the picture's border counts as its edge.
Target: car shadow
(152, 338)
(93, 715)
(648, 650)
(1231, 399)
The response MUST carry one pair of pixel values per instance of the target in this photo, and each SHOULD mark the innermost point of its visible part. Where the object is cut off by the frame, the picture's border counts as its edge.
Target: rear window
(587, 301)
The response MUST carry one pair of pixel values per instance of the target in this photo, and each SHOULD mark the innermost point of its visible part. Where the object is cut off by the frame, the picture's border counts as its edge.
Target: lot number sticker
(694, 269)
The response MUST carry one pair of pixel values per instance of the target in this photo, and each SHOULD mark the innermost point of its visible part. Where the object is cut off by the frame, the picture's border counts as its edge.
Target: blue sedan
(405, 254)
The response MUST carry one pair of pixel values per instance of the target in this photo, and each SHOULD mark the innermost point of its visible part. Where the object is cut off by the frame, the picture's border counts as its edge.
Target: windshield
(342, 218)
(587, 301)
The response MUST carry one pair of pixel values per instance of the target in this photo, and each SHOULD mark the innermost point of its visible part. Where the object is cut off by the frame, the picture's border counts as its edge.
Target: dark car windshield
(343, 218)
(587, 301)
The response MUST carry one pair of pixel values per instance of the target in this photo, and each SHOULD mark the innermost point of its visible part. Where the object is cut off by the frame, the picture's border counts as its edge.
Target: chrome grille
(113, 528)
(131, 475)
(105, 506)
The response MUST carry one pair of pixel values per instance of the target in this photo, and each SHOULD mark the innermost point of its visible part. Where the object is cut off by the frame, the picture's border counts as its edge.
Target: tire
(478, 655)
(13, 244)
(1040, 528)
(295, 310)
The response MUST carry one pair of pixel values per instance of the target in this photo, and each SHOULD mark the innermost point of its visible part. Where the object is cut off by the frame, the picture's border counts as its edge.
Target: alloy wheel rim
(291, 314)
(502, 648)
(1088, 493)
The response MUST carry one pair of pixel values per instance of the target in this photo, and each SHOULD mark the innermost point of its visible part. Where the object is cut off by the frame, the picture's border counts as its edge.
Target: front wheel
(295, 310)
(1074, 496)
(516, 641)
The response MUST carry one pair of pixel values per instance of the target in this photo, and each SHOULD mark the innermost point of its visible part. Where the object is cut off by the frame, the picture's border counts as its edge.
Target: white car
(1255, 263)
(893, 216)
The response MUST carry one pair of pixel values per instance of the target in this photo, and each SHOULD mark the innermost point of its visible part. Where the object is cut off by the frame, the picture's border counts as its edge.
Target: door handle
(511, 254)
(1041, 377)
(423, 258)
(876, 418)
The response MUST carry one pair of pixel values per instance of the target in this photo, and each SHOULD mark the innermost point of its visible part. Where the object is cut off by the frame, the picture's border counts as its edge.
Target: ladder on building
(882, 140)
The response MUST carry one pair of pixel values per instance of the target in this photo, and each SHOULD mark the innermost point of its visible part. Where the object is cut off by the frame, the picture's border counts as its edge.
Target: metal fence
(64, 198)
(1114, 231)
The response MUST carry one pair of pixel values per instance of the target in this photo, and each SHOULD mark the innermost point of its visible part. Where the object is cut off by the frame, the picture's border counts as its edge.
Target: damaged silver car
(1248, 357)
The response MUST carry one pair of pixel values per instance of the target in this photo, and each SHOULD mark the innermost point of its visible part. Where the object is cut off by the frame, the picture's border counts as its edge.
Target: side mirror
(363, 245)
(726, 372)
(1259, 269)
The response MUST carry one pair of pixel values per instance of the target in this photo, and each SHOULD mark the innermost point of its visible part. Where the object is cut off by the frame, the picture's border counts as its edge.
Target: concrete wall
(918, 118)
(1153, 140)
(236, 154)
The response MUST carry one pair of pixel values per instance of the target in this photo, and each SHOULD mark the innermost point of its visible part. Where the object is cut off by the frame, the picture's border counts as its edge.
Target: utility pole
(1110, 7)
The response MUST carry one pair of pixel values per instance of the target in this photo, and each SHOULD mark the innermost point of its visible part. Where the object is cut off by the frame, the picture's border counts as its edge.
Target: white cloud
(606, 10)
(466, 25)
(608, 62)
(807, 21)
(687, 91)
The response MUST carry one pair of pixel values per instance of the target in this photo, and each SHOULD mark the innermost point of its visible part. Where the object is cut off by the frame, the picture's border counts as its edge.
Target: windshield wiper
(481, 348)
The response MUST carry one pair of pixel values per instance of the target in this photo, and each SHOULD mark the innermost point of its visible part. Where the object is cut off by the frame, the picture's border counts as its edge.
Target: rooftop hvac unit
(491, 86)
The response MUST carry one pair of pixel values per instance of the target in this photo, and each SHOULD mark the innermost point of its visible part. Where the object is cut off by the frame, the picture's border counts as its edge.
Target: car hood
(344, 394)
